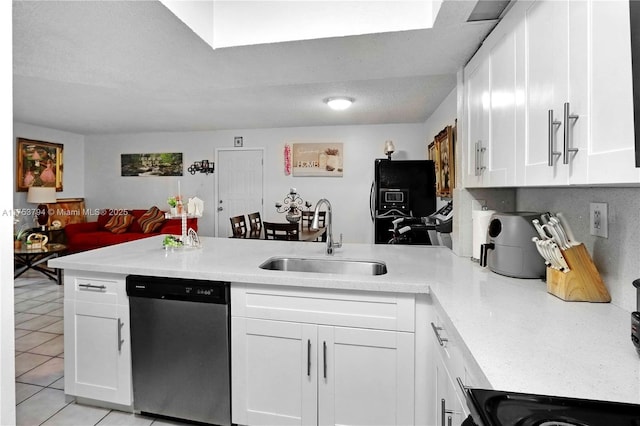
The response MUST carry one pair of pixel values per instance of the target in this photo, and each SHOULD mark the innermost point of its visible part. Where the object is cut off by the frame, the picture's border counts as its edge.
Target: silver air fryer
(510, 250)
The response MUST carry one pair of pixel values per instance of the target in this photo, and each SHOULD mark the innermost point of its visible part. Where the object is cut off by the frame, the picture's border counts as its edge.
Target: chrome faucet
(314, 225)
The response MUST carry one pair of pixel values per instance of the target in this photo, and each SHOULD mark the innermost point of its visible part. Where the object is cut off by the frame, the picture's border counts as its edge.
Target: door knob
(220, 208)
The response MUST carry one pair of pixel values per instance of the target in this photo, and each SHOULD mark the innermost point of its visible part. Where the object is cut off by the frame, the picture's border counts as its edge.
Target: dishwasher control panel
(178, 289)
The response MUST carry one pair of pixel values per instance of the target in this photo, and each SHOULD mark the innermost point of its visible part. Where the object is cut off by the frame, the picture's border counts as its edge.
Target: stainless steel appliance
(510, 250)
(500, 408)
(401, 189)
(180, 339)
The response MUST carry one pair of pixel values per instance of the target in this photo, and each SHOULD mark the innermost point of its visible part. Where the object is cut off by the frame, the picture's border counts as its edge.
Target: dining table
(304, 234)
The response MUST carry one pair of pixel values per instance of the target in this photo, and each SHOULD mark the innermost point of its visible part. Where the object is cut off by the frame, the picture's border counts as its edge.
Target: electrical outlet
(598, 220)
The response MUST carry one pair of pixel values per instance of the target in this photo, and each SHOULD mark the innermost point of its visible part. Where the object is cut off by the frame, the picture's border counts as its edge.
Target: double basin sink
(325, 266)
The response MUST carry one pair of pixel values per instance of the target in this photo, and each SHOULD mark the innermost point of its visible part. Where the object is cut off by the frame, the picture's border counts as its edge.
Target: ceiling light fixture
(339, 103)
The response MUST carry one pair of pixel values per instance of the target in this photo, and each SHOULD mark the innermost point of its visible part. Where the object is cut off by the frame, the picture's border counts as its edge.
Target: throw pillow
(119, 223)
(152, 220)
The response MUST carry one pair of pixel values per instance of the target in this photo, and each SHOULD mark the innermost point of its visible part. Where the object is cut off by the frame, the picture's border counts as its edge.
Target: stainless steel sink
(325, 266)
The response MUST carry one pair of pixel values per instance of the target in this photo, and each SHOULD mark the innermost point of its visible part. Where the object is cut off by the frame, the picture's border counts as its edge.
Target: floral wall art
(38, 164)
(317, 159)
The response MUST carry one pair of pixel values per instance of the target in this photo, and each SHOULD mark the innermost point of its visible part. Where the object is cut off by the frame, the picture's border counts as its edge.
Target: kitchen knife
(541, 233)
(558, 257)
(551, 233)
(563, 239)
(538, 242)
(567, 229)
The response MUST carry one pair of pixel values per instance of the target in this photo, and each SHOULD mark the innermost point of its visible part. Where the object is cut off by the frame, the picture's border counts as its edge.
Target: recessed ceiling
(94, 67)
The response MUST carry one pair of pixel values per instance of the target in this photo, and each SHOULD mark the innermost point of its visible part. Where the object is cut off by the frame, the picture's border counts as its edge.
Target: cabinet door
(611, 151)
(365, 377)
(97, 352)
(449, 408)
(273, 372)
(478, 137)
(501, 165)
(547, 90)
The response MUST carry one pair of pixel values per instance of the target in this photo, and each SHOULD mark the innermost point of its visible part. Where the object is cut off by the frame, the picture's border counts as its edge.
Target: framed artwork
(163, 164)
(443, 155)
(317, 159)
(66, 211)
(38, 164)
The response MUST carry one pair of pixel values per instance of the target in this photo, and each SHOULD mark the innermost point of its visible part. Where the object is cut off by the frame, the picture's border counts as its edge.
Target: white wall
(349, 195)
(442, 117)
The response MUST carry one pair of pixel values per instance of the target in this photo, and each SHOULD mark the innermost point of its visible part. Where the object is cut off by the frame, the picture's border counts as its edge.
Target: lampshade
(389, 148)
(41, 194)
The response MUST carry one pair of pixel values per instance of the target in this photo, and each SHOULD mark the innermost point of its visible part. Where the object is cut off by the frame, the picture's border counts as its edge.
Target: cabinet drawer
(99, 288)
(381, 311)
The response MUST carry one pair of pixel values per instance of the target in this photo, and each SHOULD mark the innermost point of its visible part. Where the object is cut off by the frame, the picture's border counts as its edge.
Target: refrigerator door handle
(372, 200)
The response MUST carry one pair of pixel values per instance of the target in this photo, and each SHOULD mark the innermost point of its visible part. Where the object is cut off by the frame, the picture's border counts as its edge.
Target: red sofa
(92, 235)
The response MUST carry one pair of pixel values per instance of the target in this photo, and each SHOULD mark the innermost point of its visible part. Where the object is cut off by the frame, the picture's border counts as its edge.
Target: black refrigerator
(401, 189)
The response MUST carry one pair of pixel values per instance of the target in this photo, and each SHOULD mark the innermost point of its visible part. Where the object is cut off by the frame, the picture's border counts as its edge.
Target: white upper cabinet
(477, 138)
(561, 107)
(494, 112)
(507, 118)
(556, 57)
(611, 150)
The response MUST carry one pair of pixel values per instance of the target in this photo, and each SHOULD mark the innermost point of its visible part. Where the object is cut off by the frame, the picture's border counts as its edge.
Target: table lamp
(41, 195)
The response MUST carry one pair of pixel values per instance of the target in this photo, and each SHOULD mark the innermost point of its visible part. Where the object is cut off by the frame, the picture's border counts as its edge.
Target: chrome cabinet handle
(120, 339)
(92, 287)
(449, 421)
(324, 358)
(479, 151)
(462, 387)
(308, 358)
(436, 330)
(551, 136)
(567, 133)
(444, 412)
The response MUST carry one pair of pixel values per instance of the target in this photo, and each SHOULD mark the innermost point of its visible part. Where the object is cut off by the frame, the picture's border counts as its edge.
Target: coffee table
(27, 258)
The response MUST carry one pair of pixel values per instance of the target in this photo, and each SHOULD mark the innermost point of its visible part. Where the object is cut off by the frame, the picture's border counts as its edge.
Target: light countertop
(523, 339)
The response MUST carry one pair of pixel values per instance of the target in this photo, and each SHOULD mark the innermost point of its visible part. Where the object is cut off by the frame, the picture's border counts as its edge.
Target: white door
(240, 185)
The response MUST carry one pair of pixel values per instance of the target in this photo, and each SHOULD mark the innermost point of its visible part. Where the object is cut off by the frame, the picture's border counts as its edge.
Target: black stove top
(499, 408)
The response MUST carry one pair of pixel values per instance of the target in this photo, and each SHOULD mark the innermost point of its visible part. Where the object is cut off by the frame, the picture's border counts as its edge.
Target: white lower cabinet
(448, 405)
(453, 366)
(97, 360)
(298, 373)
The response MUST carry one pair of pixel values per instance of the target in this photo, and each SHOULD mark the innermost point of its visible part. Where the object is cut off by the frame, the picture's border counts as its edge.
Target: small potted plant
(173, 202)
(18, 237)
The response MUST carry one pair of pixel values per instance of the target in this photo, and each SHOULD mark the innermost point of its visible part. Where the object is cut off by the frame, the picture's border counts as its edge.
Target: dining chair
(307, 218)
(281, 231)
(255, 223)
(238, 226)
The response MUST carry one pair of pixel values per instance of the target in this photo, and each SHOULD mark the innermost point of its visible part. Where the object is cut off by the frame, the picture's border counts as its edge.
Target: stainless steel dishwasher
(180, 348)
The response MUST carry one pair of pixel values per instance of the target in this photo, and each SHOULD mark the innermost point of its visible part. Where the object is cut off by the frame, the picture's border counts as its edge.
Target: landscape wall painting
(164, 164)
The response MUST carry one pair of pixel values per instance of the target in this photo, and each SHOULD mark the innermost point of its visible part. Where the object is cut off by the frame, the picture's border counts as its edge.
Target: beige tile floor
(40, 363)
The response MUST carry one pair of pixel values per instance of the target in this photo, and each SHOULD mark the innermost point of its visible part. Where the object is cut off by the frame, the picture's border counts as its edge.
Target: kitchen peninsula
(512, 334)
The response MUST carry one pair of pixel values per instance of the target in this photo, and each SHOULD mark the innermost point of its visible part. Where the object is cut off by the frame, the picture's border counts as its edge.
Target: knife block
(582, 283)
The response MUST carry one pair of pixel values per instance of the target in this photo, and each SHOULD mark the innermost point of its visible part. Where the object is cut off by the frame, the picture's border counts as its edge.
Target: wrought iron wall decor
(203, 166)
